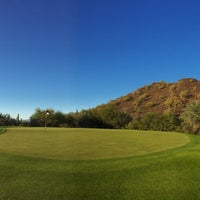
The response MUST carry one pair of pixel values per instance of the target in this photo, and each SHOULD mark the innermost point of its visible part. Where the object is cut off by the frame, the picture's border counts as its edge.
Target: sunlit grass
(81, 144)
(167, 174)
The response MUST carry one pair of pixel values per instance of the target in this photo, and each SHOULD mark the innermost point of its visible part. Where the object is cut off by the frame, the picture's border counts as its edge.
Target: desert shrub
(156, 122)
(185, 94)
(198, 96)
(173, 87)
(150, 104)
(127, 98)
(169, 102)
(162, 85)
(191, 118)
(142, 98)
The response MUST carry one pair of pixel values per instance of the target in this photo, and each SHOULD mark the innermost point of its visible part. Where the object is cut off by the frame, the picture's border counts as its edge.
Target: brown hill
(160, 97)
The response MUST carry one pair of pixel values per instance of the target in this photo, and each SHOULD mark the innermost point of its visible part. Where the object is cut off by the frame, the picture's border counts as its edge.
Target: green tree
(70, 120)
(191, 117)
(88, 119)
(39, 118)
(7, 120)
(57, 119)
(111, 117)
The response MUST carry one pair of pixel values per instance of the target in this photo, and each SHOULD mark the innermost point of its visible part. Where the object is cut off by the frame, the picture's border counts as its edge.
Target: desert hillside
(159, 97)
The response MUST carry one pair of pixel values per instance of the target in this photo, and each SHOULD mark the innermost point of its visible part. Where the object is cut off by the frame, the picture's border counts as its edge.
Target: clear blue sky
(76, 54)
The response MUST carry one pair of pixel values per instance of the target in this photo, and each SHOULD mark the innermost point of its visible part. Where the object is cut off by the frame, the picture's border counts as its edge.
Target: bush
(156, 122)
(191, 118)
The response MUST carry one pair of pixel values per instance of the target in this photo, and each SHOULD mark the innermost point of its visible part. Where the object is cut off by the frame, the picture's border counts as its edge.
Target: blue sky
(76, 54)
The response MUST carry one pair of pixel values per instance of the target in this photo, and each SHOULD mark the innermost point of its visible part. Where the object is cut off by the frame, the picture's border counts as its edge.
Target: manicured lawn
(78, 164)
(86, 144)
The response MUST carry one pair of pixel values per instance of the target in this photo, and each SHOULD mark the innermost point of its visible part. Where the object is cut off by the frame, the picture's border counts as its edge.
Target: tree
(191, 118)
(106, 116)
(39, 118)
(111, 117)
(7, 120)
(88, 119)
(70, 120)
(18, 121)
(57, 119)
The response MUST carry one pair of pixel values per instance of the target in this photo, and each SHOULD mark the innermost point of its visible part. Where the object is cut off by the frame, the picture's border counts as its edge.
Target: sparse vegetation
(161, 85)
(185, 94)
(142, 98)
(169, 102)
(127, 98)
(173, 87)
(150, 104)
(173, 96)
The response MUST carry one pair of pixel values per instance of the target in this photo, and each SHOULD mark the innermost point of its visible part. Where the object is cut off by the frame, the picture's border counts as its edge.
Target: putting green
(86, 144)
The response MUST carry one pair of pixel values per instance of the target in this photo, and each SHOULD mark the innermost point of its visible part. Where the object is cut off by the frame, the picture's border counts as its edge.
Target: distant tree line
(7, 120)
(108, 116)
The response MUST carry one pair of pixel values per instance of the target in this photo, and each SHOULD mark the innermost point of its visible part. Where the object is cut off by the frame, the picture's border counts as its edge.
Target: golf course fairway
(98, 164)
(86, 144)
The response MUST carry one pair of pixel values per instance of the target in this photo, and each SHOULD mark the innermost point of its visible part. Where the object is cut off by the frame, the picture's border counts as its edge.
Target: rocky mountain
(159, 97)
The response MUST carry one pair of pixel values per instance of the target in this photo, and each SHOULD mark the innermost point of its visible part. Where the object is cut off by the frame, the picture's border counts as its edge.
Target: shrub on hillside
(191, 118)
(156, 122)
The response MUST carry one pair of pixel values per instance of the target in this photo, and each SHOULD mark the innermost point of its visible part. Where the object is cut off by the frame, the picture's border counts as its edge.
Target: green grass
(2, 130)
(103, 164)
(86, 144)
